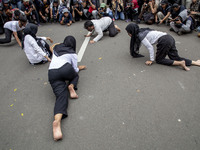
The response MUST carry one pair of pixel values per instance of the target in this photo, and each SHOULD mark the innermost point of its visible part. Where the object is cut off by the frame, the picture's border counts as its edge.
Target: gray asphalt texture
(123, 104)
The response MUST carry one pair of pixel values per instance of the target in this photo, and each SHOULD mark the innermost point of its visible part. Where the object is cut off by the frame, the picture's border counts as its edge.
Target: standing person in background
(118, 9)
(62, 68)
(14, 27)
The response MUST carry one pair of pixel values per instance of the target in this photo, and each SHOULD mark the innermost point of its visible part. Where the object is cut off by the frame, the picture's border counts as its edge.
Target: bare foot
(182, 64)
(118, 29)
(72, 92)
(57, 134)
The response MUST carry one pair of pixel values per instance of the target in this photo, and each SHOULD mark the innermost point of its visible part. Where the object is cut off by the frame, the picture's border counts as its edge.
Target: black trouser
(8, 36)
(130, 13)
(112, 30)
(166, 46)
(57, 79)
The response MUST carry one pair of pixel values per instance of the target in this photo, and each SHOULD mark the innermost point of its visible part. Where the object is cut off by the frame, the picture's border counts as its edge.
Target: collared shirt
(58, 61)
(32, 50)
(101, 25)
(150, 39)
(13, 26)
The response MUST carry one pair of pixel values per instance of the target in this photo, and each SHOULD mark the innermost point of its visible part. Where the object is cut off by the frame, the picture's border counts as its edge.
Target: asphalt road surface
(123, 104)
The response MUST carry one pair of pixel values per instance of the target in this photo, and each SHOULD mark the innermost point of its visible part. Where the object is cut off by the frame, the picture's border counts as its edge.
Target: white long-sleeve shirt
(58, 62)
(150, 39)
(32, 50)
(101, 25)
(13, 26)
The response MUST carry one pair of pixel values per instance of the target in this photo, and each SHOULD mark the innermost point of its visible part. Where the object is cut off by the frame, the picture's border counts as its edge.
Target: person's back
(102, 23)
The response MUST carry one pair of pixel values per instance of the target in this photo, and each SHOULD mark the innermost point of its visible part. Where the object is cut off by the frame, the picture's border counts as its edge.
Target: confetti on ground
(22, 114)
(15, 100)
(134, 74)
(11, 105)
(143, 71)
(45, 83)
(179, 120)
(100, 58)
(123, 123)
(138, 91)
(15, 90)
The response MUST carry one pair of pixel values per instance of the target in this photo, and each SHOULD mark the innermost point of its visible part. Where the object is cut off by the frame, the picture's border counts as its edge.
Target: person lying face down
(165, 46)
(100, 26)
(62, 68)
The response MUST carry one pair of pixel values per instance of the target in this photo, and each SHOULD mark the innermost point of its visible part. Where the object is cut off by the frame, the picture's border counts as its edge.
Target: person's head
(75, 4)
(65, 12)
(26, 2)
(175, 7)
(44, 1)
(164, 4)
(89, 25)
(31, 29)
(22, 20)
(103, 6)
(17, 14)
(132, 29)
(70, 41)
(6, 3)
(194, 1)
(55, 3)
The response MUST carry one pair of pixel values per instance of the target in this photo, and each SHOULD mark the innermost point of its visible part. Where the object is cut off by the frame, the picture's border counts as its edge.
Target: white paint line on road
(181, 85)
(83, 48)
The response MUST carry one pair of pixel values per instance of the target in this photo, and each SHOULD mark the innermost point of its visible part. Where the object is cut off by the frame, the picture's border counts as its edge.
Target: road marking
(83, 48)
(181, 85)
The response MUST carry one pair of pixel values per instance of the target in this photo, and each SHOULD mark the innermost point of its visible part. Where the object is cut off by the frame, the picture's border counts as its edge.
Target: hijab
(67, 47)
(138, 34)
(30, 29)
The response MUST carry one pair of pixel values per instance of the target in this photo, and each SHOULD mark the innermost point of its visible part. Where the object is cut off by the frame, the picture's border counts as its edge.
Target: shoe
(138, 21)
(171, 29)
(157, 22)
(198, 35)
(179, 33)
(128, 20)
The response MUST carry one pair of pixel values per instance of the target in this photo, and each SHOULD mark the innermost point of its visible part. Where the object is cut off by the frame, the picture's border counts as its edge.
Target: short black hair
(17, 13)
(22, 18)
(88, 24)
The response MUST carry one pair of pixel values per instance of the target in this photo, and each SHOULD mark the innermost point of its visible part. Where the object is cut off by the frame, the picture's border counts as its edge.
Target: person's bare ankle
(57, 133)
(182, 64)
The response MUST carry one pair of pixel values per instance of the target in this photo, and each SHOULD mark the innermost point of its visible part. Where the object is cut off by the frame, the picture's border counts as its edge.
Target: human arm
(99, 33)
(150, 48)
(91, 4)
(17, 38)
(167, 16)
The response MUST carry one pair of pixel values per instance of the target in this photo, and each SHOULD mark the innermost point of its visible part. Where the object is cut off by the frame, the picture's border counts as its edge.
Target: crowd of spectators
(181, 16)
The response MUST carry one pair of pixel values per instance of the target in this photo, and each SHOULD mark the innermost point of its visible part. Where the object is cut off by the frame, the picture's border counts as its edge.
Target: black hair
(22, 18)
(88, 24)
(17, 13)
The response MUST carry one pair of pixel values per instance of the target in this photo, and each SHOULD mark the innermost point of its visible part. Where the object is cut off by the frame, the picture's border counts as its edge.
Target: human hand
(149, 62)
(92, 41)
(48, 38)
(68, 24)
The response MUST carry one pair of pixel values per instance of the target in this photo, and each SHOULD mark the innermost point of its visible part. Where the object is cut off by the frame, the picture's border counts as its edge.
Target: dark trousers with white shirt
(57, 79)
(8, 36)
(166, 47)
(112, 30)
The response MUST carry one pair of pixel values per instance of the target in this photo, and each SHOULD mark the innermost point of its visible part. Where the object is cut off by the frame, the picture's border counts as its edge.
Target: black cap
(175, 5)
(164, 2)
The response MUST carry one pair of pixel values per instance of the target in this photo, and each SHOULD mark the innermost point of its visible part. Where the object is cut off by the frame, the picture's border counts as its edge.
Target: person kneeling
(101, 26)
(165, 46)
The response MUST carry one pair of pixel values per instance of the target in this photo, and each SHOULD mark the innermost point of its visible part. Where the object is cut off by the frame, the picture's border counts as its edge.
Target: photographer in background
(181, 27)
(77, 11)
(30, 11)
(105, 11)
(131, 10)
(148, 12)
(44, 11)
(195, 11)
(66, 17)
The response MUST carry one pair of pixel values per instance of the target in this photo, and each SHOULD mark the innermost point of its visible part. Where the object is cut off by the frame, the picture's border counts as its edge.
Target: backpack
(44, 46)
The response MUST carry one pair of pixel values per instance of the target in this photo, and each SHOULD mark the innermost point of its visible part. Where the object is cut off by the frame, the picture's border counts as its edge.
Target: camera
(145, 5)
